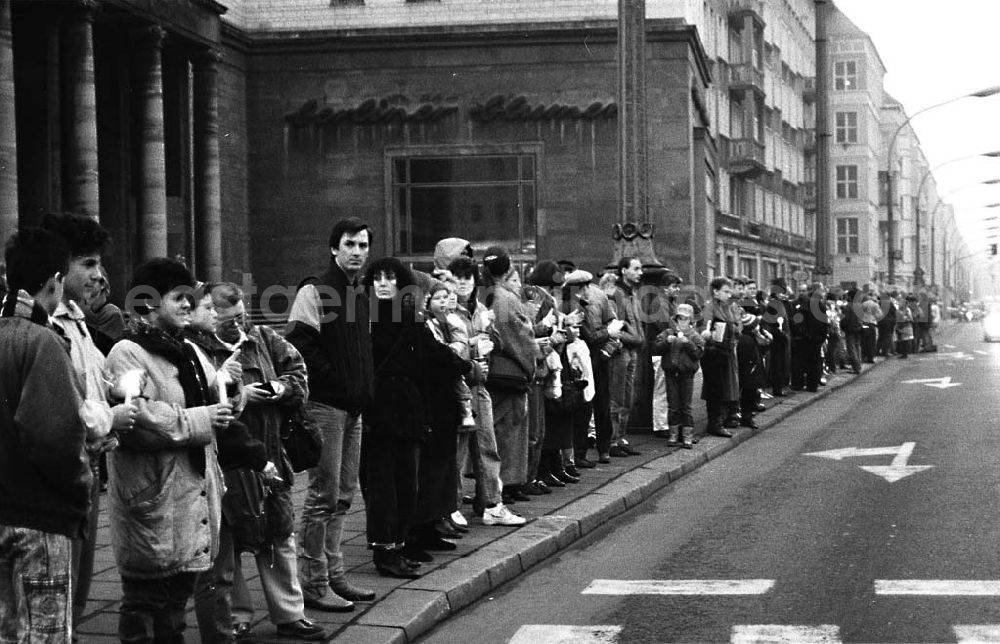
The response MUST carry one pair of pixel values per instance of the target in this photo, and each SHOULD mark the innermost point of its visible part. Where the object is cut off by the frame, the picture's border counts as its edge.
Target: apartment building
(857, 118)
(763, 103)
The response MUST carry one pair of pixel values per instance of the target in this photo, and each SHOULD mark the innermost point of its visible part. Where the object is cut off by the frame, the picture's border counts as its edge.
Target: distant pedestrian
(720, 378)
(681, 347)
(624, 363)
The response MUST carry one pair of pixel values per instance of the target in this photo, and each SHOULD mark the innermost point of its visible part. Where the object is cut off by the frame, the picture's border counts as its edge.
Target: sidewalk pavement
(486, 558)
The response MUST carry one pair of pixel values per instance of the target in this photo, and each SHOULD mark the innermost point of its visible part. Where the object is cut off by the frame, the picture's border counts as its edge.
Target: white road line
(781, 634)
(948, 346)
(982, 353)
(565, 634)
(979, 588)
(678, 587)
(977, 633)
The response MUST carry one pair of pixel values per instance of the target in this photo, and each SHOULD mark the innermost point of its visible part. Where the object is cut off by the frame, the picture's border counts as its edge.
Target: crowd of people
(415, 382)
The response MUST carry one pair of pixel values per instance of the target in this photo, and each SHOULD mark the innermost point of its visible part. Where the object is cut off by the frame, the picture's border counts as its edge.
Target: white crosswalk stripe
(785, 634)
(977, 633)
(679, 587)
(966, 587)
(565, 634)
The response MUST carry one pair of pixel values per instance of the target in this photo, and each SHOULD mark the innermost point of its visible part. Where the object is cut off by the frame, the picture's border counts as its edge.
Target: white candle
(221, 380)
(131, 382)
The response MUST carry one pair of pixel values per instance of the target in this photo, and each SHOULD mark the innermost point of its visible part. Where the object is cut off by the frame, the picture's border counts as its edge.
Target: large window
(847, 127)
(847, 236)
(845, 75)
(487, 199)
(847, 182)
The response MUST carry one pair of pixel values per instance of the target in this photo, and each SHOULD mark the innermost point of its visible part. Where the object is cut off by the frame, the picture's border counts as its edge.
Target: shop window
(487, 199)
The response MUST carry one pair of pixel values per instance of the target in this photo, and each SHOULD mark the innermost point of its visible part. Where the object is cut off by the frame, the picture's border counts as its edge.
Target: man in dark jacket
(810, 326)
(328, 324)
(776, 321)
(853, 328)
(45, 475)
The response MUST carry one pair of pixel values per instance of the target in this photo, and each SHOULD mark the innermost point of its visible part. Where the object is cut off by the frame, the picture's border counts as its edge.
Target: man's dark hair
(624, 263)
(717, 283)
(82, 233)
(349, 226)
(463, 267)
(33, 255)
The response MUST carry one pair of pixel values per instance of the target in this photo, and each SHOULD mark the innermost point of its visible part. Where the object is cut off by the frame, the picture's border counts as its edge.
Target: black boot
(389, 563)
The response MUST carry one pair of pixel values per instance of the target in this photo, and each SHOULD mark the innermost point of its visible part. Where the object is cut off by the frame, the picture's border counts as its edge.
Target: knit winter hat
(684, 310)
(547, 273)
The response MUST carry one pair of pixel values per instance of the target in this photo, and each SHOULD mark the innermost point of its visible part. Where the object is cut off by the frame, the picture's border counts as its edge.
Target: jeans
(83, 550)
(853, 342)
(280, 583)
(869, 342)
(536, 427)
(510, 420)
(622, 378)
(153, 609)
(661, 401)
(332, 486)
(680, 389)
(581, 427)
(481, 448)
(35, 586)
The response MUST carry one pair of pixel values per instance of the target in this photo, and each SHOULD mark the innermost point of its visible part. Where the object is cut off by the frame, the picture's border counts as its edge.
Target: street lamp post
(933, 215)
(918, 271)
(890, 224)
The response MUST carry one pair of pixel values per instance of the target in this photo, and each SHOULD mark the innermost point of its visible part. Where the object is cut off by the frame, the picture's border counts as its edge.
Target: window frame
(408, 153)
(846, 132)
(848, 236)
(845, 79)
(847, 186)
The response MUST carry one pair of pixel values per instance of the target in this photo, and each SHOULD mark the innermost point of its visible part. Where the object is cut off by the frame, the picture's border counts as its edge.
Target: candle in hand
(131, 383)
(221, 380)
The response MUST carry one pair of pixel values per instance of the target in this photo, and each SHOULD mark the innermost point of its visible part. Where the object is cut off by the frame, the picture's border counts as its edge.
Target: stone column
(80, 175)
(207, 184)
(152, 197)
(8, 129)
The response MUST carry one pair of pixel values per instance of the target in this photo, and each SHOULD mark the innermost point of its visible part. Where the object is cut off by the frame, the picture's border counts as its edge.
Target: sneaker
(459, 519)
(500, 515)
(303, 629)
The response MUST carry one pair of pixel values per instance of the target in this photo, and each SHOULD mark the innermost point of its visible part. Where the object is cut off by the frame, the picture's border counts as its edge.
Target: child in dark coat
(751, 365)
(681, 346)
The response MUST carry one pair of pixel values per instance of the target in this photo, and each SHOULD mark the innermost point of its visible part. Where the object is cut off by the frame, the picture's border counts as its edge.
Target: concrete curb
(416, 607)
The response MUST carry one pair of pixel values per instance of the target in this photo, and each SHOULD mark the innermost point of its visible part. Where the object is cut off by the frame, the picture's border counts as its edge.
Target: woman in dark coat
(408, 447)
(720, 385)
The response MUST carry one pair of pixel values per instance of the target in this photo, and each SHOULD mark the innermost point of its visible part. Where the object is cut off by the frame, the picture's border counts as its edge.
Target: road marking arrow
(937, 383)
(893, 472)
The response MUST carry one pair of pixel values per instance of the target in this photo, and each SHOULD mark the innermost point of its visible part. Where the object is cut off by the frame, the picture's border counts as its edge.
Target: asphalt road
(814, 547)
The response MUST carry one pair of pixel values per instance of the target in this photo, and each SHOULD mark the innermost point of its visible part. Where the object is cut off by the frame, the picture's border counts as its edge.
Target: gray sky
(936, 50)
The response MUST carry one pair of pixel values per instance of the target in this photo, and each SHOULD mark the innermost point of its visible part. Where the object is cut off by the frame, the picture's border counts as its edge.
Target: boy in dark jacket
(681, 346)
(45, 475)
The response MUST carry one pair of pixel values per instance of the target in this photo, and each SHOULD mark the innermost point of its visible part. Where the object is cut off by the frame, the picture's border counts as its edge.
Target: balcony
(801, 243)
(744, 156)
(744, 76)
(752, 8)
(809, 90)
(728, 223)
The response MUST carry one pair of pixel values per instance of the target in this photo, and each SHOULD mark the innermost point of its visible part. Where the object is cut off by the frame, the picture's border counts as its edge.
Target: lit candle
(131, 383)
(221, 380)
